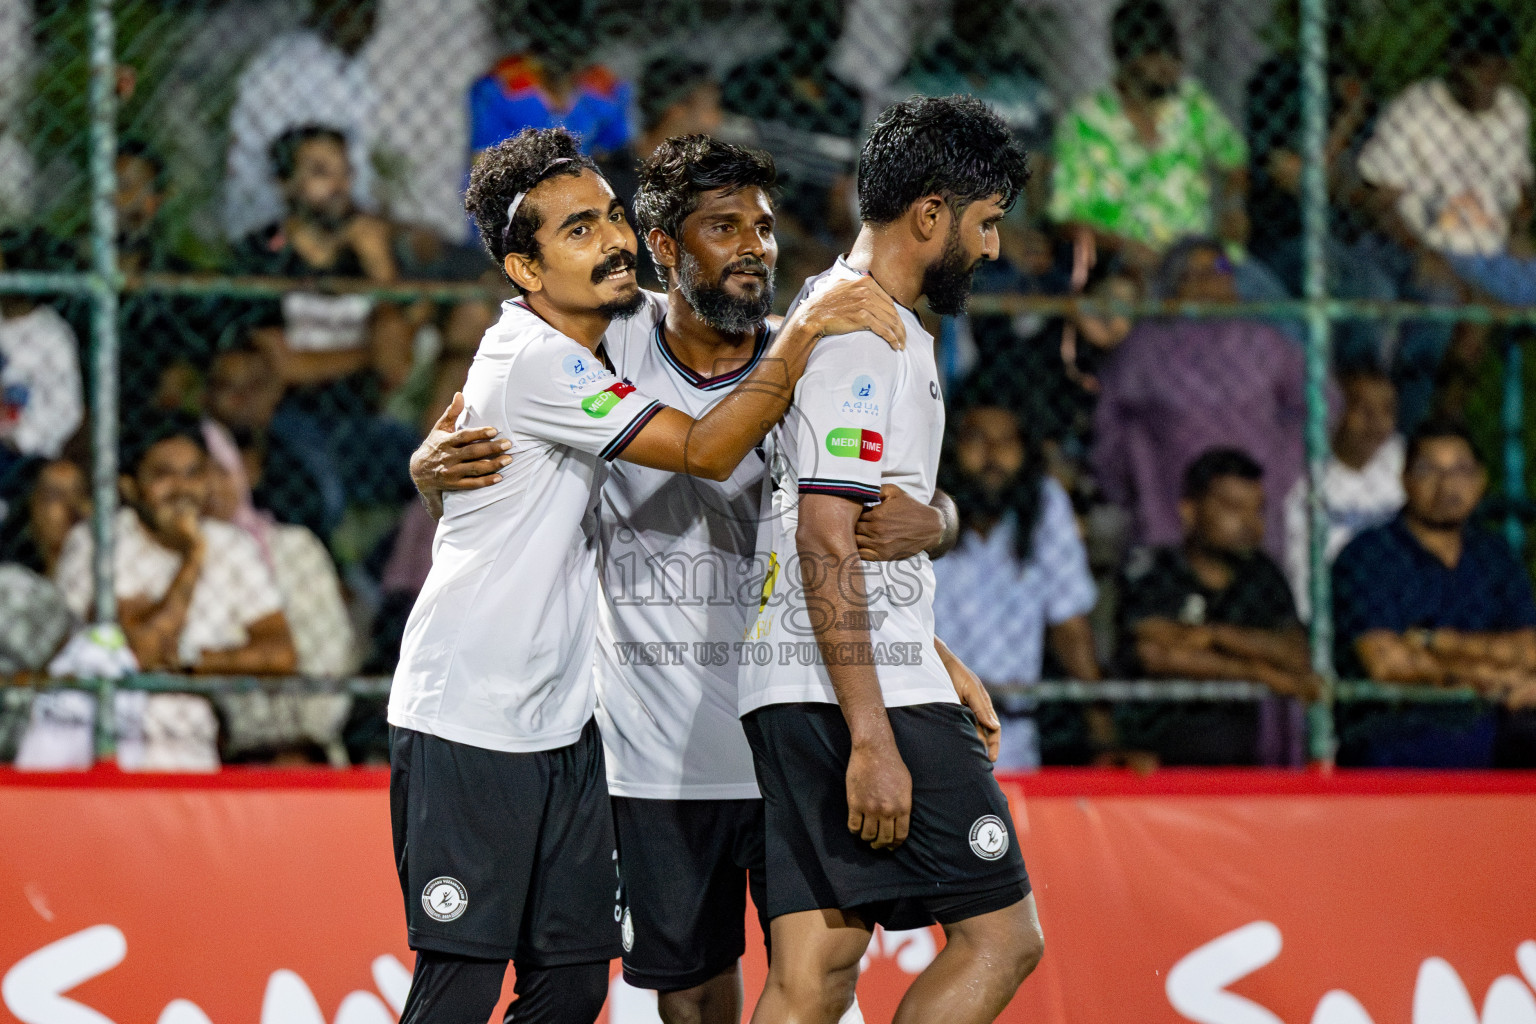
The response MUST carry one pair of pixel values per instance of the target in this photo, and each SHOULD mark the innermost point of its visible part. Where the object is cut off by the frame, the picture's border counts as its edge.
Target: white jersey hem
(484, 740)
(799, 695)
(721, 791)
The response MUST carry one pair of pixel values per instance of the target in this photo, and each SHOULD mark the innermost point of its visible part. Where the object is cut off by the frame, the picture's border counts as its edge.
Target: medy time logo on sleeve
(602, 403)
(852, 443)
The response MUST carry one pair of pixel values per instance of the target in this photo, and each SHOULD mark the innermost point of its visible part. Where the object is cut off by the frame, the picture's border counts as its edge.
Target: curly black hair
(683, 168)
(952, 146)
(516, 165)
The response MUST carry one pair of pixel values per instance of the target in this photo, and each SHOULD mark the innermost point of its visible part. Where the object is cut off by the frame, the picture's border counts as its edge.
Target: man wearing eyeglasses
(1432, 598)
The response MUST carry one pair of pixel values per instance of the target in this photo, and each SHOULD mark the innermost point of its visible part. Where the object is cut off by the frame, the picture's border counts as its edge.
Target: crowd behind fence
(1241, 400)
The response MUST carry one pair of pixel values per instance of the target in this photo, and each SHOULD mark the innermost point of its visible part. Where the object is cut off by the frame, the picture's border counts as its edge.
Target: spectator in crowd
(979, 56)
(678, 96)
(1177, 387)
(57, 498)
(1362, 483)
(42, 399)
(300, 566)
(1150, 158)
(291, 474)
(810, 121)
(1216, 607)
(193, 593)
(1450, 168)
(313, 75)
(551, 84)
(1430, 598)
(1274, 137)
(339, 354)
(1018, 578)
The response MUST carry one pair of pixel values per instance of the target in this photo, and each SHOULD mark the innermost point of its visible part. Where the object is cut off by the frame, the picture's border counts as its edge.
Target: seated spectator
(292, 475)
(193, 593)
(810, 121)
(977, 56)
(313, 75)
(165, 338)
(1450, 166)
(1150, 158)
(42, 399)
(1216, 607)
(1430, 598)
(1018, 578)
(1274, 138)
(551, 85)
(1362, 483)
(57, 497)
(1177, 387)
(338, 353)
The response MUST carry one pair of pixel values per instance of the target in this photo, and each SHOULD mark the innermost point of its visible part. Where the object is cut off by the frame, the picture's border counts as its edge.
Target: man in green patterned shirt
(1137, 161)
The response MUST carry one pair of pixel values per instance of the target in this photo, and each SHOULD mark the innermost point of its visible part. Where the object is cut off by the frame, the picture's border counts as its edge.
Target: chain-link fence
(1272, 281)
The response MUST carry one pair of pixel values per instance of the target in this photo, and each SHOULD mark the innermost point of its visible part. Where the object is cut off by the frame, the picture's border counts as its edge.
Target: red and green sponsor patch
(853, 443)
(602, 403)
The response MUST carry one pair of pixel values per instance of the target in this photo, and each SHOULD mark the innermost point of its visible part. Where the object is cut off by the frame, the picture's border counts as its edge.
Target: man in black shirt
(1215, 608)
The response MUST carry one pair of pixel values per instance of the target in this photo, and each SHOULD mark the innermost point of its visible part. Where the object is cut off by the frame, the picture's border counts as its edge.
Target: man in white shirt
(193, 594)
(314, 75)
(503, 829)
(1018, 578)
(1362, 485)
(880, 803)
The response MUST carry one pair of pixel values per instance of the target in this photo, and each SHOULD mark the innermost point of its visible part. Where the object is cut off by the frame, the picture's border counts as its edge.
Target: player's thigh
(1009, 937)
(685, 893)
(816, 944)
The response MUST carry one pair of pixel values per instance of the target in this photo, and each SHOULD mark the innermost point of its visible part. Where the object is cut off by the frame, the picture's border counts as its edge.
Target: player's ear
(928, 217)
(128, 487)
(524, 271)
(663, 248)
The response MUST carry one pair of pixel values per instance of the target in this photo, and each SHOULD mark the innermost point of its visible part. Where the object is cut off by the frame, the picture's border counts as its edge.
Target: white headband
(517, 200)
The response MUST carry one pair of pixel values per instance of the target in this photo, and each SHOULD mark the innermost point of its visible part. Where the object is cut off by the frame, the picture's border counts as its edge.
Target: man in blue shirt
(1427, 598)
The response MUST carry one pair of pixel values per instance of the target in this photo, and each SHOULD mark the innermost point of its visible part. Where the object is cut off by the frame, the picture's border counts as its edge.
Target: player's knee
(559, 995)
(1010, 940)
(818, 995)
(684, 1007)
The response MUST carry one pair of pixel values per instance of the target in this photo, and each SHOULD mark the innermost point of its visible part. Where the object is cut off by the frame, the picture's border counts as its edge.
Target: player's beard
(711, 303)
(947, 281)
(618, 309)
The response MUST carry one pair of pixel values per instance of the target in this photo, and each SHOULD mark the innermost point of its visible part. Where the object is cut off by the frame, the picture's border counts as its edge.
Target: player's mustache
(745, 265)
(621, 260)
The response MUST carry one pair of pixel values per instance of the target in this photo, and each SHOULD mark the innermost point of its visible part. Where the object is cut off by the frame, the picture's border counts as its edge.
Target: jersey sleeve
(561, 392)
(841, 417)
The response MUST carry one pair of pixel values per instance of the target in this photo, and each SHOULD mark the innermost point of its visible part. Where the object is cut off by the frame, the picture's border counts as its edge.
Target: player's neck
(889, 262)
(583, 326)
(700, 347)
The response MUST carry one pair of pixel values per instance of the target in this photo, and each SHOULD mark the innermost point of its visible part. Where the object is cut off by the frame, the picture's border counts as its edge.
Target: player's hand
(463, 460)
(879, 795)
(973, 695)
(849, 306)
(899, 527)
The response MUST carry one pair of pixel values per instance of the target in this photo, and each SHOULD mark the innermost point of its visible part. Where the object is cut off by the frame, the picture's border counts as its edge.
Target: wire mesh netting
(1158, 445)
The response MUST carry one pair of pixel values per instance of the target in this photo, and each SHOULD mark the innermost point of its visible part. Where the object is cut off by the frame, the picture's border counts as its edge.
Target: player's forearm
(949, 515)
(723, 436)
(832, 575)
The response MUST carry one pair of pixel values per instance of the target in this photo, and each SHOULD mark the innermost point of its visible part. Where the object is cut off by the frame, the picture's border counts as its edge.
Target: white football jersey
(864, 415)
(498, 651)
(676, 560)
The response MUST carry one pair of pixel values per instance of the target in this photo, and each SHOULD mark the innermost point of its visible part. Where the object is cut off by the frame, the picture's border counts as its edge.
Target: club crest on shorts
(445, 898)
(989, 837)
(627, 931)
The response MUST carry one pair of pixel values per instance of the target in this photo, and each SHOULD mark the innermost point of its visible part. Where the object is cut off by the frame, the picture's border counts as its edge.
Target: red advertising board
(1220, 898)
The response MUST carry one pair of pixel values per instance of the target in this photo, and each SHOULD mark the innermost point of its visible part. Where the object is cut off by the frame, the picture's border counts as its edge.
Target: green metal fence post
(1314, 209)
(104, 293)
(1512, 413)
